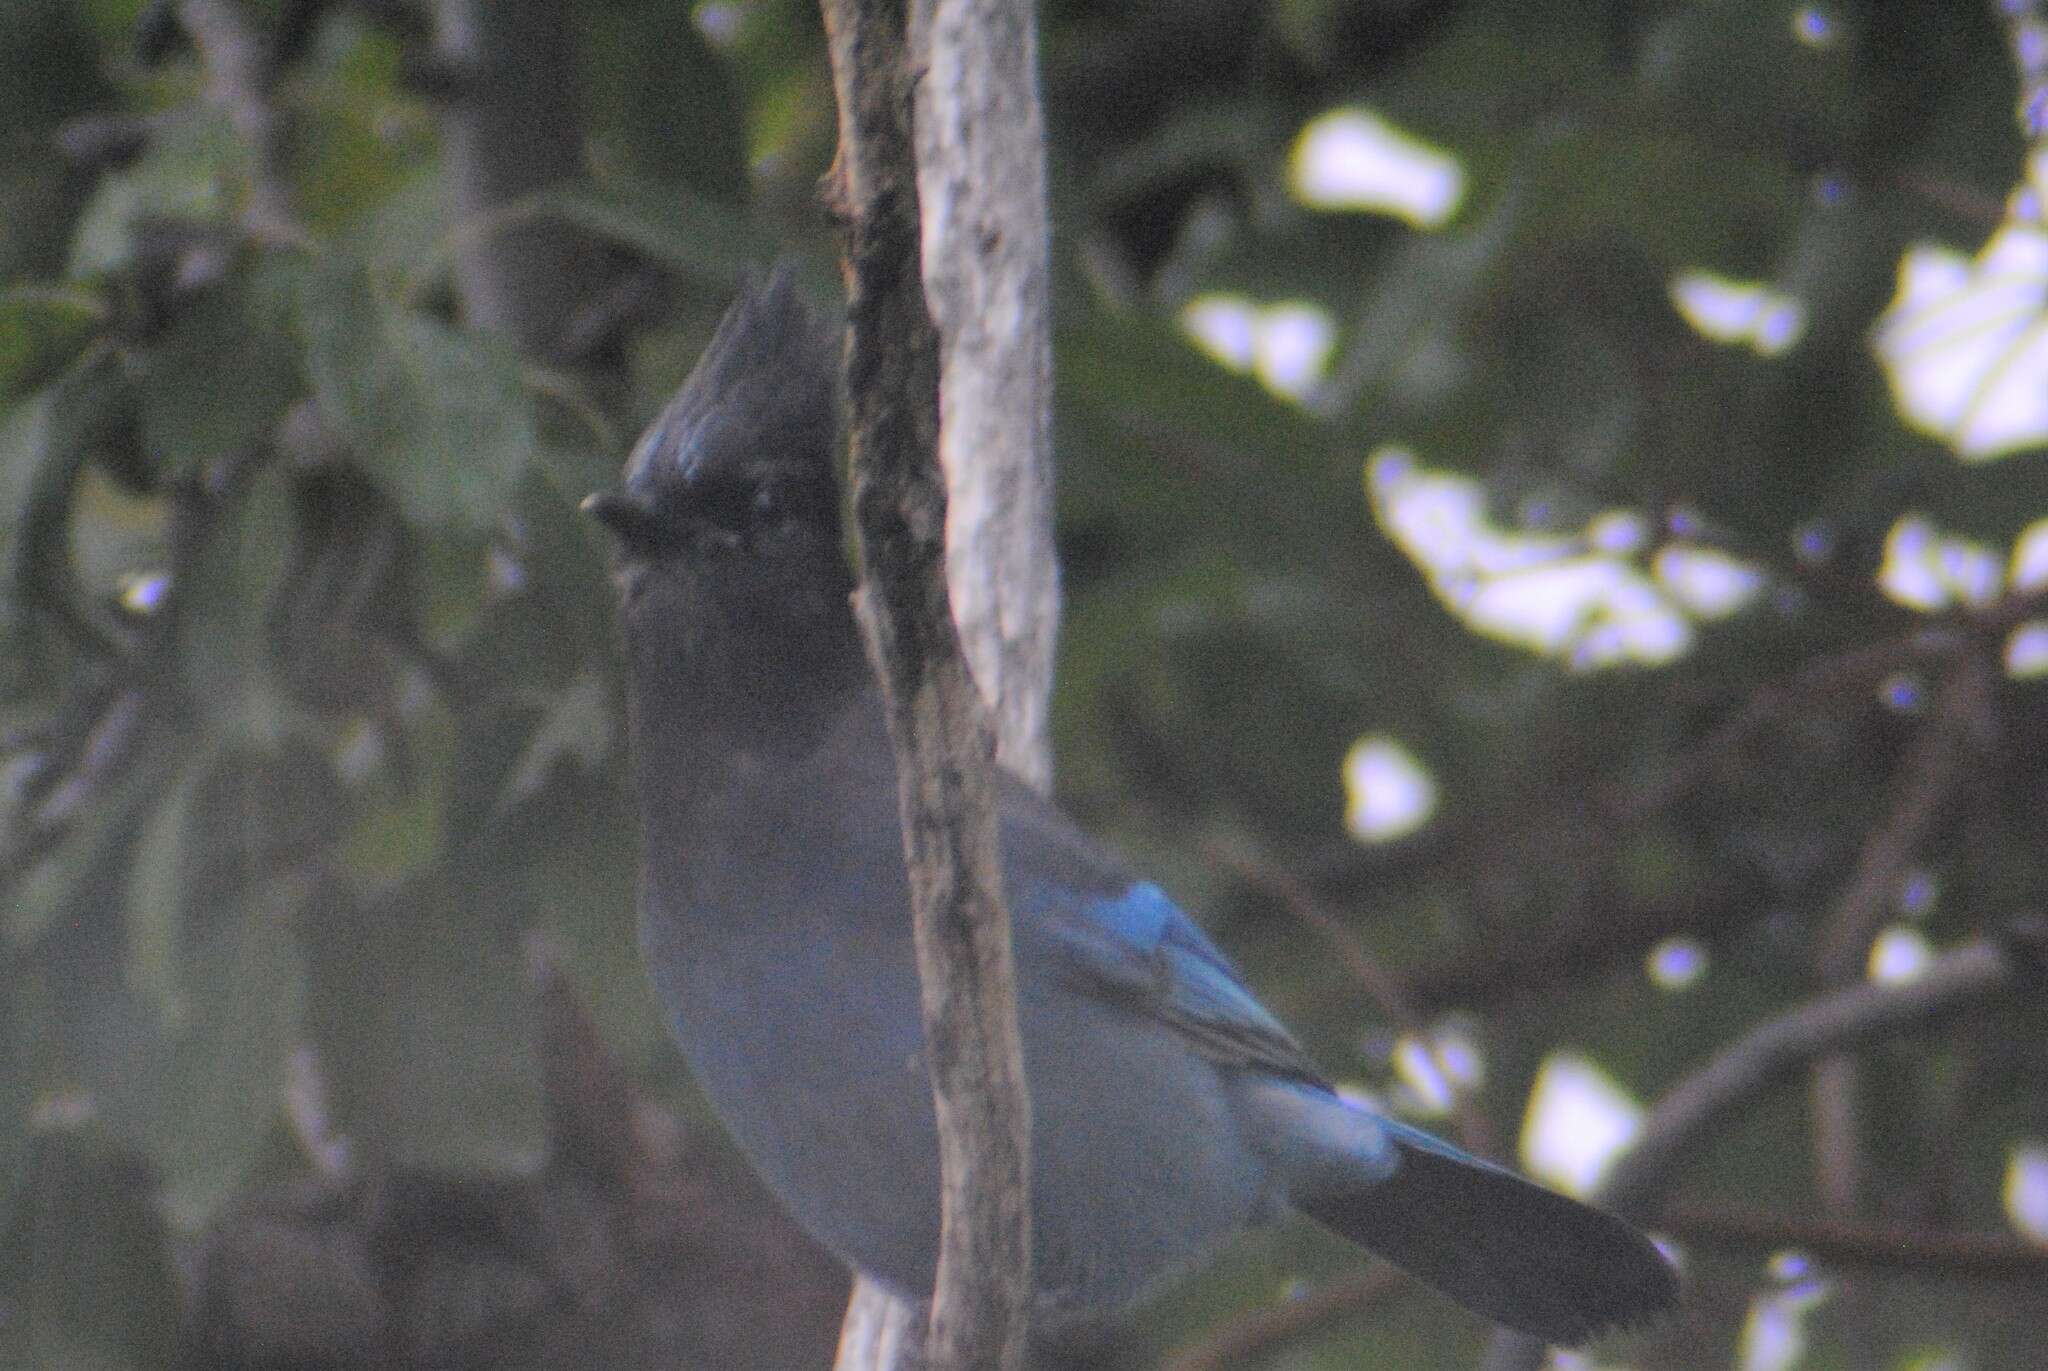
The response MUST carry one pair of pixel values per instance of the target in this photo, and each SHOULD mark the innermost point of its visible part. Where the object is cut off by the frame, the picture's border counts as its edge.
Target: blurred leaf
(577, 728)
(552, 606)
(183, 174)
(216, 381)
(222, 647)
(1683, 200)
(50, 72)
(242, 989)
(155, 904)
(440, 414)
(420, 1010)
(663, 97)
(22, 1016)
(361, 134)
(406, 237)
(681, 229)
(49, 68)
(401, 836)
(1794, 93)
(1428, 285)
(1244, 137)
(211, 882)
(48, 895)
(1201, 441)
(259, 811)
(86, 1279)
(44, 441)
(27, 436)
(42, 332)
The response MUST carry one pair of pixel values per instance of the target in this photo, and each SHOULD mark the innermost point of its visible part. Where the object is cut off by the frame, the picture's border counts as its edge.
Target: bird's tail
(1500, 1245)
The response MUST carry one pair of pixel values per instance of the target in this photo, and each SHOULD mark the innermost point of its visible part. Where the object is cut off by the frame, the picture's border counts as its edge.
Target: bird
(1169, 1108)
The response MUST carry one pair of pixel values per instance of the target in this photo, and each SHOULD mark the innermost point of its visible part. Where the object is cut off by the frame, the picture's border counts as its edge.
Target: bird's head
(729, 555)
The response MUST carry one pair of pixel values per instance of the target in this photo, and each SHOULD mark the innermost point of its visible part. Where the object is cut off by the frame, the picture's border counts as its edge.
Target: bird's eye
(725, 505)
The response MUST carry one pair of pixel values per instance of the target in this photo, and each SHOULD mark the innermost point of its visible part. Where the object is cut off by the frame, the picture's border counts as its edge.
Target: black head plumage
(764, 392)
(729, 559)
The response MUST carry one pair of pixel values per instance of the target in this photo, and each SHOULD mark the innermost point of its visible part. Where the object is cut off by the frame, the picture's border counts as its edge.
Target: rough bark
(945, 748)
(987, 246)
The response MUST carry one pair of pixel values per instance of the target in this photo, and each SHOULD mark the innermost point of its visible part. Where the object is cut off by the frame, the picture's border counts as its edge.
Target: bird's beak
(629, 518)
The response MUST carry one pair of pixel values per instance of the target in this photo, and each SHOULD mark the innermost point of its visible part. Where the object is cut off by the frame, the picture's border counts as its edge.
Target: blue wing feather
(1137, 947)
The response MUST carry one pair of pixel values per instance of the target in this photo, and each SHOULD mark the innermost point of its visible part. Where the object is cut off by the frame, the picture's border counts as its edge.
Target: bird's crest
(765, 390)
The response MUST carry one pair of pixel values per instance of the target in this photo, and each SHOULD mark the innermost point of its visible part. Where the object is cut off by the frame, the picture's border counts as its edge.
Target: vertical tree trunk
(987, 268)
(513, 130)
(980, 168)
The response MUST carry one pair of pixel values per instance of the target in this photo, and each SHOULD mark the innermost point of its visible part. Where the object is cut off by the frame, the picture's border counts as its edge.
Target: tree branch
(1943, 1256)
(512, 129)
(944, 747)
(1842, 1021)
(1933, 768)
(987, 247)
(241, 71)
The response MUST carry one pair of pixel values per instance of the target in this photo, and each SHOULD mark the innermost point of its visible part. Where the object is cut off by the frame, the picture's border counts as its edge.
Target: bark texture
(945, 747)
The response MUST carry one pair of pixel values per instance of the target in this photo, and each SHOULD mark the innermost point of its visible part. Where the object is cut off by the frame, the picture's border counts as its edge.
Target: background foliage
(323, 1040)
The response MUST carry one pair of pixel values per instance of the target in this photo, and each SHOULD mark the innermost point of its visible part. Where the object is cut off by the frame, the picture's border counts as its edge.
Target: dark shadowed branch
(1957, 723)
(1881, 1247)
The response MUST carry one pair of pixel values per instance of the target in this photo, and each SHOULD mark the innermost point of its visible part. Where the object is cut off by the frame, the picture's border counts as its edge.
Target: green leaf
(421, 1014)
(439, 413)
(674, 226)
(216, 381)
(242, 989)
(156, 899)
(184, 174)
(577, 728)
(1424, 291)
(42, 331)
(222, 648)
(44, 442)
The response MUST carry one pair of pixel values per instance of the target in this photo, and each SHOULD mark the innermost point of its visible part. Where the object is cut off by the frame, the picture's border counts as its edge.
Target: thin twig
(1856, 670)
(1475, 1130)
(1933, 767)
(1842, 1021)
(1939, 1255)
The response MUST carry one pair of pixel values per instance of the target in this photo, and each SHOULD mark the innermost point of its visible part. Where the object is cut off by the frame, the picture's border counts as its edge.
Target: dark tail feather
(1504, 1247)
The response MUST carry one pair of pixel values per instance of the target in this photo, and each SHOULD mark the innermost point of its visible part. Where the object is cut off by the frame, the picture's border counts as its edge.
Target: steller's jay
(1169, 1108)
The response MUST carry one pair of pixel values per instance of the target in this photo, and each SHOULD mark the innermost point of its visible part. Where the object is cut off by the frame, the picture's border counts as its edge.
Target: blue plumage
(1170, 1108)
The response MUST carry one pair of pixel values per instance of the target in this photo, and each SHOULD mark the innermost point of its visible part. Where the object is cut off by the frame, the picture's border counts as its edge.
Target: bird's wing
(1136, 947)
